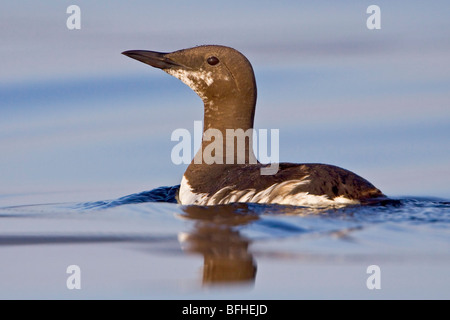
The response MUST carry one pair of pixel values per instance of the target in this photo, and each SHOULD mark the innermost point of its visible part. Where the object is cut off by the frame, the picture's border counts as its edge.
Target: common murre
(224, 79)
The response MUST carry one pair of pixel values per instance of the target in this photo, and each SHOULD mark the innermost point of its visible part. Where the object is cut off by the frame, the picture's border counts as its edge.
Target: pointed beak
(153, 58)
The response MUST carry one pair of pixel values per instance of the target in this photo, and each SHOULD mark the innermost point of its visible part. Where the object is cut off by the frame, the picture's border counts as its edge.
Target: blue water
(144, 245)
(407, 209)
(84, 129)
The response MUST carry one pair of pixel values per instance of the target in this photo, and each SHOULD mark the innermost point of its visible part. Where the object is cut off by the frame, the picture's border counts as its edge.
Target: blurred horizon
(78, 115)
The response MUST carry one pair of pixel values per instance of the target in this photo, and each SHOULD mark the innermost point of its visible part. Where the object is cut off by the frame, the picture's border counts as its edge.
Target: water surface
(146, 246)
(84, 129)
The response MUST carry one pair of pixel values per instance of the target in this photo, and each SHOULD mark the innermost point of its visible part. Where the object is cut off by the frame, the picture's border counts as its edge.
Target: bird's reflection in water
(216, 235)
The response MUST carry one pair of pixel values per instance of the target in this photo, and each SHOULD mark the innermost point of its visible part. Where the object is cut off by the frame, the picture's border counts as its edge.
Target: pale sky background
(75, 114)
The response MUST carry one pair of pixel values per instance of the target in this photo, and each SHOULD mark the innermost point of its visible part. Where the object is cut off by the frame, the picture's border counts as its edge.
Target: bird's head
(215, 73)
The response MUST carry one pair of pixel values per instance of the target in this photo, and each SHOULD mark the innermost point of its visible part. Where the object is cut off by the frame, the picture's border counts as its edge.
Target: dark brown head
(221, 76)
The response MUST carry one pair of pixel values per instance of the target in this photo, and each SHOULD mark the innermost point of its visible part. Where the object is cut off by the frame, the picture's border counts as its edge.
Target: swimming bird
(224, 79)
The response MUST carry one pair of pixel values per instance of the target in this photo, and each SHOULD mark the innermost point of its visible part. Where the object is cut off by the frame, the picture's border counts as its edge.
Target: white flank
(186, 196)
(278, 193)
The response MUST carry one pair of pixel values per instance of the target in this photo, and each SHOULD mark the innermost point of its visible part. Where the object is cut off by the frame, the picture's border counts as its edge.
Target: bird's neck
(228, 131)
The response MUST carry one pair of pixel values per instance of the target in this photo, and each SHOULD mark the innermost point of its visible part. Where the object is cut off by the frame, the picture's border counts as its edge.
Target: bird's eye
(212, 61)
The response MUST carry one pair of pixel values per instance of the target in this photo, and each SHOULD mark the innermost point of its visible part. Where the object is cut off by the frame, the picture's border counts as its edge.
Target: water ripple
(408, 209)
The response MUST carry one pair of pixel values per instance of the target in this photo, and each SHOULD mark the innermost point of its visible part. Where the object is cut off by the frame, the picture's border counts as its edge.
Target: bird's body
(309, 185)
(224, 80)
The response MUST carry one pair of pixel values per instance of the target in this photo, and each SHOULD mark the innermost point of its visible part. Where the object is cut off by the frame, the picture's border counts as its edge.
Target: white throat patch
(193, 78)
